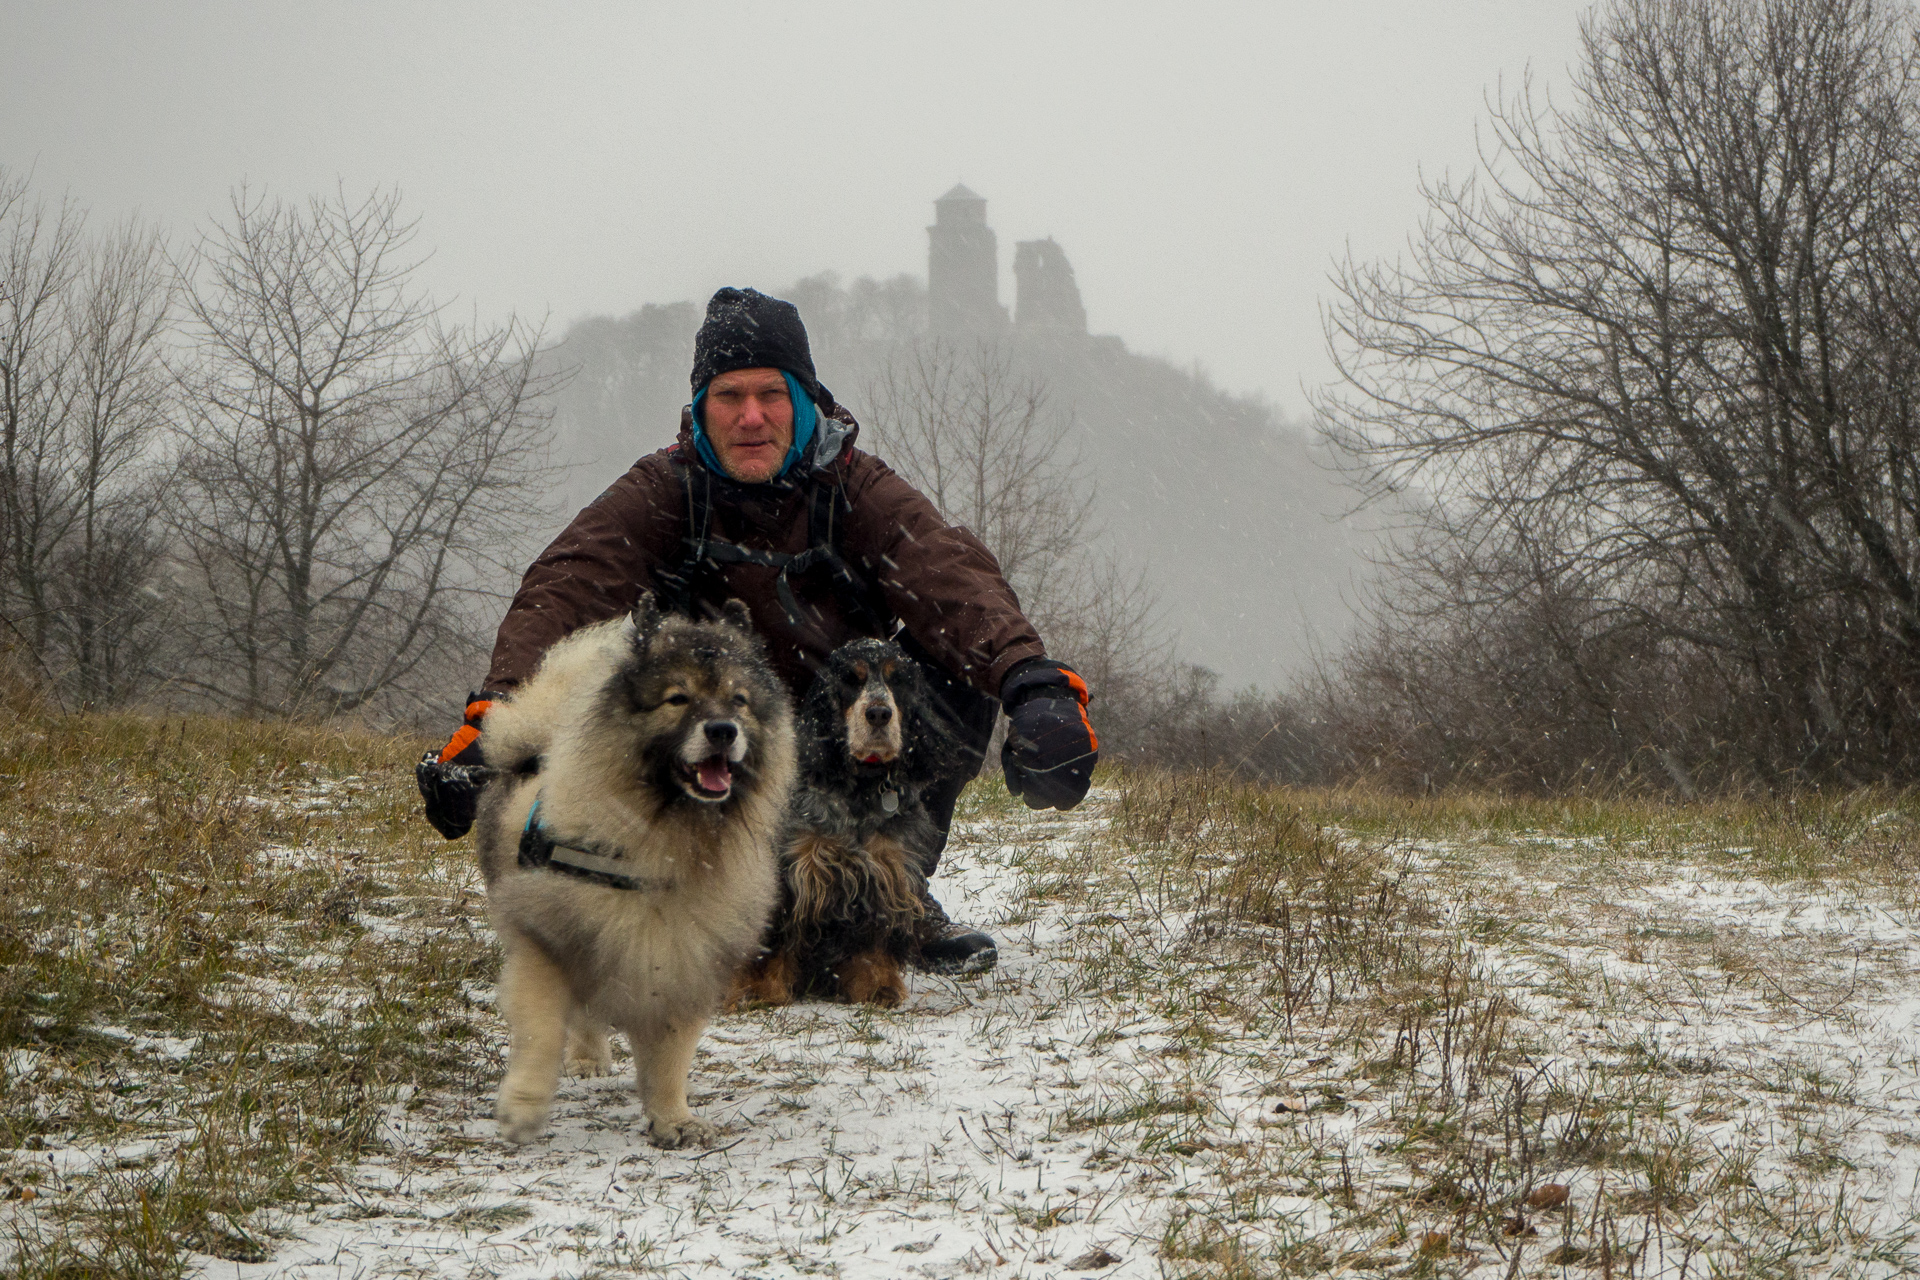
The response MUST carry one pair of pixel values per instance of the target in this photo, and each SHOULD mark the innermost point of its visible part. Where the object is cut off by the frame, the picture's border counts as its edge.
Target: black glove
(450, 781)
(1051, 747)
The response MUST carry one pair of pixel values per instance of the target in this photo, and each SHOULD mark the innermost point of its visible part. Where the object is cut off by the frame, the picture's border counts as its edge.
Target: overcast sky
(1202, 165)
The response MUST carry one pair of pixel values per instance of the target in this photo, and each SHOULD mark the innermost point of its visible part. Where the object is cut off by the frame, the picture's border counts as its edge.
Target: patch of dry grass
(196, 1021)
(1865, 833)
(1436, 1052)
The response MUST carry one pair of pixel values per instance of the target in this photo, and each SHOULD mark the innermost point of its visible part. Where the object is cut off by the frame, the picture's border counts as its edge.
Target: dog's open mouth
(711, 779)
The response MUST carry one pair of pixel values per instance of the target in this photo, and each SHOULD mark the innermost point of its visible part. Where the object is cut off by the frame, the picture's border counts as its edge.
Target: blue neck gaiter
(805, 419)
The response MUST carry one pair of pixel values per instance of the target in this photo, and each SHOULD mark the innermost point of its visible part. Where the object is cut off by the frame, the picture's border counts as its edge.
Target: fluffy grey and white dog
(628, 851)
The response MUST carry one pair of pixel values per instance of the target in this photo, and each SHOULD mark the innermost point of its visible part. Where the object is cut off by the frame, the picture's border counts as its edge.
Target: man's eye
(678, 699)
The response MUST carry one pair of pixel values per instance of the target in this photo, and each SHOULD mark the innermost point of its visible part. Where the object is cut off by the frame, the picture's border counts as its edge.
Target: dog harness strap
(575, 860)
(539, 851)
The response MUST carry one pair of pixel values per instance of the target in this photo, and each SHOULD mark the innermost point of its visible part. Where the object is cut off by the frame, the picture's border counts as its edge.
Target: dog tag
(890, 801)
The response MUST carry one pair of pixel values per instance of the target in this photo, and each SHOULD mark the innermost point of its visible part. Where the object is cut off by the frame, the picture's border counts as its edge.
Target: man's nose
(751, 414)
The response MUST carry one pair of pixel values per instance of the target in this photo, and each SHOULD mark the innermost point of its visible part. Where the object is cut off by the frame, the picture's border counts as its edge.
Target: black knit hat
(745, 329)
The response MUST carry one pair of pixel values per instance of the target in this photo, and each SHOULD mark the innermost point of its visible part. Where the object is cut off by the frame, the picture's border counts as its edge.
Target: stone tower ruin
(1046, 296)
(963, 277)
(963, 268)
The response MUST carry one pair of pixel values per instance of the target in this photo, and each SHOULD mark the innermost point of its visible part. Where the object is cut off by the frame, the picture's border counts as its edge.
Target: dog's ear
(931, 748)
(735, 614)
(823, 732)
(645, 621)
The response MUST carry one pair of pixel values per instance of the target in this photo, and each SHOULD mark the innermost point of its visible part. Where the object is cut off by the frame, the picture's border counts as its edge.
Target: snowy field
(926, 1141)
(1172, 1074)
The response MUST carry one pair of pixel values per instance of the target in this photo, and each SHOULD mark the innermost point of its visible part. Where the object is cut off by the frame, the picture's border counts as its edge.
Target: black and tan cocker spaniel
(852, 863)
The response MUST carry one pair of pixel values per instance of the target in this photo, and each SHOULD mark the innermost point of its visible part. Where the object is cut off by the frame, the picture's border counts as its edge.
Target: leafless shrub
(1461, 683)
(1188, 722)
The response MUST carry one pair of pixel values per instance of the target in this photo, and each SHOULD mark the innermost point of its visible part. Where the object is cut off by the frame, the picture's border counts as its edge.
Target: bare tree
(974, 433)
(108, 608)
(971, 429)
(1107, 616)
(42, 252)
(82, 395)
(1654, 365)
(353, 469)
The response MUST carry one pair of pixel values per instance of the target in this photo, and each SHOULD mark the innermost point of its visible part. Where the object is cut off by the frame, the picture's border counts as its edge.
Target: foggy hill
(1226, 506)
(1212, 494)
(1221, 501)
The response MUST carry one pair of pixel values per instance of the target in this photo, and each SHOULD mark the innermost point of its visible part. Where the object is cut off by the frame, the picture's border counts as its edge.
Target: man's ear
(645, 621)
(735, 614)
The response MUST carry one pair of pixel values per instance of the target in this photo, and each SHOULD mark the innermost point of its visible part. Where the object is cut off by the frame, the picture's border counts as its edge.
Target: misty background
(606, 167)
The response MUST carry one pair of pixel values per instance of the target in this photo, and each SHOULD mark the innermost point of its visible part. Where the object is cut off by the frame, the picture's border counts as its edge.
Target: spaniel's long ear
(932, 749)
(644, 622)
(822, 733)
(736, 615)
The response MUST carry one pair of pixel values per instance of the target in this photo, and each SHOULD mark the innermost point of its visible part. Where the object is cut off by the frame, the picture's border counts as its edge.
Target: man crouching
(766, 499)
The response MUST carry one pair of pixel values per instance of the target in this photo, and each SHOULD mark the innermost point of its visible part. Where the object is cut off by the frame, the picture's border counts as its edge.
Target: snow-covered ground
(1721, 1067)
(928, 1141)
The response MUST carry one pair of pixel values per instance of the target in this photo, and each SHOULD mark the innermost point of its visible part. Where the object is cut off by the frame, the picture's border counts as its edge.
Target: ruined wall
(1046, 295)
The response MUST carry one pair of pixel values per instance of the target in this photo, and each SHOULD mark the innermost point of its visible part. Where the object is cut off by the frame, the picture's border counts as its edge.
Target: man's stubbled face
(748, 416)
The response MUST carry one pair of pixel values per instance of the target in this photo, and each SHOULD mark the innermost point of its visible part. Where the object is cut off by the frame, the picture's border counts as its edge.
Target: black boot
(951, 949)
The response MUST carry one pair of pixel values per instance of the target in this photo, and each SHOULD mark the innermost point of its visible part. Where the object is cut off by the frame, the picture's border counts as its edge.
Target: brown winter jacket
(938, 579)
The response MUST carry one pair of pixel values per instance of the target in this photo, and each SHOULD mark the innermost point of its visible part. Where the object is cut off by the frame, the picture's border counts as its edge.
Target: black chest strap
(539, 851)
(827, 509)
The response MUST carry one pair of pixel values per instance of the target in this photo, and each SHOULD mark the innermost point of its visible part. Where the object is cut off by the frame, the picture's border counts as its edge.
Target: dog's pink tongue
(715, 775)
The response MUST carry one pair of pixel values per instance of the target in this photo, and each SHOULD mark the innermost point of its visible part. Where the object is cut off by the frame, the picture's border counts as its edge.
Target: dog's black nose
(721, 733)
(879, 715)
